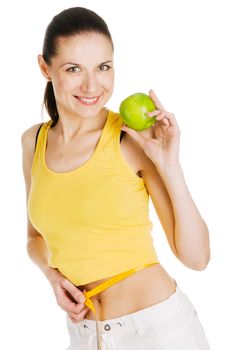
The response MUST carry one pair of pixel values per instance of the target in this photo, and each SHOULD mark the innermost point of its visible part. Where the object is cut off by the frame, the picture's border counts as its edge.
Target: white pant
(172, 324)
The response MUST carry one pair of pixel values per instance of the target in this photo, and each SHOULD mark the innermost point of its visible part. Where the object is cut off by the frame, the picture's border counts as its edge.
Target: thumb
(134, 134)
(73, 290)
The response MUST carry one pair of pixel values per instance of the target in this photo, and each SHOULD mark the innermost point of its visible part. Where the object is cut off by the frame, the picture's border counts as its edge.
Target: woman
(87, 191)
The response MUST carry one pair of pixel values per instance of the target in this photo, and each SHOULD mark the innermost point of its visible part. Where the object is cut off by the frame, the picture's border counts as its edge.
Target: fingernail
(82, 299)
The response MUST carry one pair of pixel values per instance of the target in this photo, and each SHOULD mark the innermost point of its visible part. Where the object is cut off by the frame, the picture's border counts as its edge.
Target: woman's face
(82, 74)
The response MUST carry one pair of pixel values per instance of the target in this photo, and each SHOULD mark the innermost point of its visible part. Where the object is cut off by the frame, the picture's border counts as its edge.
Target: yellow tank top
(95, 218)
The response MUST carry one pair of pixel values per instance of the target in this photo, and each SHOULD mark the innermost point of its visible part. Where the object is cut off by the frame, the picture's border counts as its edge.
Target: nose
(90, 83)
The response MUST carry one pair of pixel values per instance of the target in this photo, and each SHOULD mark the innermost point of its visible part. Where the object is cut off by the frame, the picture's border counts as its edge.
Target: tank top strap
(111, 132)
(116, 123)
(41, 139)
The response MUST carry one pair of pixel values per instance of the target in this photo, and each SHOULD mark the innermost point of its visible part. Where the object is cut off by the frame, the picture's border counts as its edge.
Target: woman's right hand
(68, 296)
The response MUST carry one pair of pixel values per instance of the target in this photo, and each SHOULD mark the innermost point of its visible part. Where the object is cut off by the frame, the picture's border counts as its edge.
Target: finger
(154, 113)
(69, 306)
(135, 135)
(163, 117)
(165, 122)
(170, 117)
(79, 308)
(66, 304)
(161, 120)
(73, 320)
(77, 318)
(73, 290)
(156, 100)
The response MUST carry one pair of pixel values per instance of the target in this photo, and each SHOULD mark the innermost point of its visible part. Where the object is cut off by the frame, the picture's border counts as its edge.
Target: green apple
(133, 111)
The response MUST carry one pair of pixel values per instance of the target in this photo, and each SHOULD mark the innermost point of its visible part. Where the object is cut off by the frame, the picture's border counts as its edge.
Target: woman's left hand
(161, 141)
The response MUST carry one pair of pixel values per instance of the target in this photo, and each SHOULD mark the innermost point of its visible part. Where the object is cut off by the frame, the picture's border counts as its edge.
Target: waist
(144, 287)
(108, 283)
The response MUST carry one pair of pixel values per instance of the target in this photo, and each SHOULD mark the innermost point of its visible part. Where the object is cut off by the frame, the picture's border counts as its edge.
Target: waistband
(129, 321)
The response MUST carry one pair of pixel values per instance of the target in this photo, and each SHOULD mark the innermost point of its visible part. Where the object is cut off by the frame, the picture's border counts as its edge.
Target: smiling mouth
(88, 101)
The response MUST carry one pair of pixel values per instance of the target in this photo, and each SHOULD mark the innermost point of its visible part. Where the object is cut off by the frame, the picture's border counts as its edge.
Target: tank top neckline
(82, 167)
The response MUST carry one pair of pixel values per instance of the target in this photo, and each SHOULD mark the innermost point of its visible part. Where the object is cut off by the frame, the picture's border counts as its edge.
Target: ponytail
(50, 103)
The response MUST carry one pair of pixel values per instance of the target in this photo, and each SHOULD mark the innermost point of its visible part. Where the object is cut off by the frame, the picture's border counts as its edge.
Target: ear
(43, 67)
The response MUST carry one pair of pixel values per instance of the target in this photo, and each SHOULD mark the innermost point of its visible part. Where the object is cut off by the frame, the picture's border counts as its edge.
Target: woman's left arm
(160, 143)
(191, 234)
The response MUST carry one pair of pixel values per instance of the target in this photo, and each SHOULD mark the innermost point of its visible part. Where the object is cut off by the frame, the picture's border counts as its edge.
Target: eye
(104, 67)
(74, 69)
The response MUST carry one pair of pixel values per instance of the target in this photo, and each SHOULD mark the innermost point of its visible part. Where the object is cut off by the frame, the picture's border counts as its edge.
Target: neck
(69, 126)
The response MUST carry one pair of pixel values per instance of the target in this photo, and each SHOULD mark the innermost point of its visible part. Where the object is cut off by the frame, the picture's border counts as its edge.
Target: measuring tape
(105, 285)
(108, 284)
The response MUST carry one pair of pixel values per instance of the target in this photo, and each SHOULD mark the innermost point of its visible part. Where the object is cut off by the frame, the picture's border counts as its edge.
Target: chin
(90, 112)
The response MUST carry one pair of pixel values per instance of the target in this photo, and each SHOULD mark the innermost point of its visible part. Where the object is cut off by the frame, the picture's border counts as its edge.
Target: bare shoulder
(29, 136)
(135, 155)
(28, 139)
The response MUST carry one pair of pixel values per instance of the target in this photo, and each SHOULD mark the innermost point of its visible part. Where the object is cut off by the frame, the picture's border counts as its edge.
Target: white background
(181, 49)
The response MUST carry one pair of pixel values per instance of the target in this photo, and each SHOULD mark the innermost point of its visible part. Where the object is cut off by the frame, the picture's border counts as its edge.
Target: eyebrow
(77, 64)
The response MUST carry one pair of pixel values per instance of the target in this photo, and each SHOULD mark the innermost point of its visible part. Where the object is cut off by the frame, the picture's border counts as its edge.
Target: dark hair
(75, 20)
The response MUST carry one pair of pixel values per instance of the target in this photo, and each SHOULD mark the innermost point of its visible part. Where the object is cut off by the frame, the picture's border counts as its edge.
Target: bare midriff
(142, 289)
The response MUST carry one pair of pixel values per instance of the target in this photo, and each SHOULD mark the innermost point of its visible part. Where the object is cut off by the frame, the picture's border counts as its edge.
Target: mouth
(88, 101)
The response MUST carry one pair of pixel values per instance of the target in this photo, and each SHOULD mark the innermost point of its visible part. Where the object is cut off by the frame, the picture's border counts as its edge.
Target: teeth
(88, 100)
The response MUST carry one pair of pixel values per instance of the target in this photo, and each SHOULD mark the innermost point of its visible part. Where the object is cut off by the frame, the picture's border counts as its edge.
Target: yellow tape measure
(109, 283)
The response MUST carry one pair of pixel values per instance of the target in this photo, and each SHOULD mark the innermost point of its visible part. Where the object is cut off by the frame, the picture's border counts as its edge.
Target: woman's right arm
(37, 249)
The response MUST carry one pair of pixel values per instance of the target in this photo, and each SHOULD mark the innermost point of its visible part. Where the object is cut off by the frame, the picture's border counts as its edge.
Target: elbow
(196, 259)
(204, 261)
(198, 265)
(201, 266)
